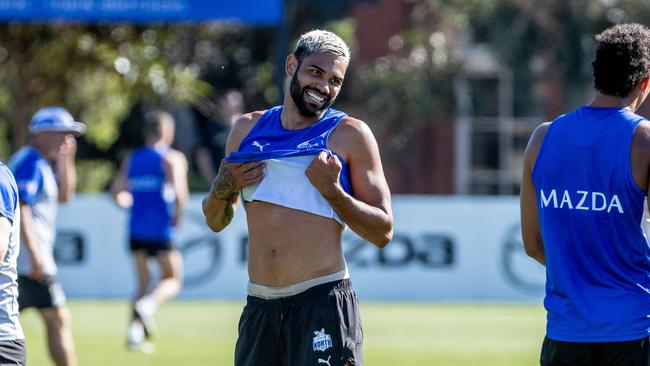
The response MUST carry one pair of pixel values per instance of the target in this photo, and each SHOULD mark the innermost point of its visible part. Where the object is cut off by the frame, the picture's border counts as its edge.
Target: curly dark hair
(622, 59)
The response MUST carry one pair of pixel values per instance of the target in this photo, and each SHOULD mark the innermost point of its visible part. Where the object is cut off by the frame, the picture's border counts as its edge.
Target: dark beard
(305, 108)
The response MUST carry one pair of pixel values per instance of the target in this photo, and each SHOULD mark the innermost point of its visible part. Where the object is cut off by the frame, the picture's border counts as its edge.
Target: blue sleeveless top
(287, 154)
(153, 201)
(590, 212)
(268, 140)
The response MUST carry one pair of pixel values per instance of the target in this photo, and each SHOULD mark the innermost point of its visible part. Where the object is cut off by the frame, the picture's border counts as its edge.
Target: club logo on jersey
(145, 183)
(581, 200)
(306, 146)
(322, 341)
(314, 143)
(327, 362)
(257, 144)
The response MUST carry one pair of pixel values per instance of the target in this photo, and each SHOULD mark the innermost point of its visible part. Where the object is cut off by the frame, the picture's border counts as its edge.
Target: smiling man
(305, 171)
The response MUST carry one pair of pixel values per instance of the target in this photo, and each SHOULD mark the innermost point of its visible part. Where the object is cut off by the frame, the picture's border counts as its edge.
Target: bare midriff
(288, 246)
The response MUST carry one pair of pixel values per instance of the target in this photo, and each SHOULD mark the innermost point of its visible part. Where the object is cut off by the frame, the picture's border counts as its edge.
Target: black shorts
(320, 326)
(41, 294)
(13, 353)
(628, 353)
(153, 248)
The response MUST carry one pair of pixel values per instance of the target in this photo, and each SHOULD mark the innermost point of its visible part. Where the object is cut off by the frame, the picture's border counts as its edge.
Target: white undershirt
(286, 184)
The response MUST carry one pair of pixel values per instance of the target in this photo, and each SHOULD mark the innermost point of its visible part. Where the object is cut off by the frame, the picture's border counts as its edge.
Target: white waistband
(270, 293)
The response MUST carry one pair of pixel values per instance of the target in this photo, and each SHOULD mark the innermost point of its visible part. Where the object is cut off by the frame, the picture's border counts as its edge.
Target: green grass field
(204, 333)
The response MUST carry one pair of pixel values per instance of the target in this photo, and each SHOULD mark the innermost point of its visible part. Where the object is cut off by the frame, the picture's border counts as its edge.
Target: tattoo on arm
(224, 186)
(228, 215)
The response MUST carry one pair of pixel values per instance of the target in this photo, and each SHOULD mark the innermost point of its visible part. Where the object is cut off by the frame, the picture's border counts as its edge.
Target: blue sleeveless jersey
(590, 212)
(153, 203)
(269, 140)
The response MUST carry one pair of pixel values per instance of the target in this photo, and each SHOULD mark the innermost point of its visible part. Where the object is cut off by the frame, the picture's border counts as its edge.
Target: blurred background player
(214, 119)
(152, 183)
(51, 141)
(586, 179)
(12, 339)
(305, 171)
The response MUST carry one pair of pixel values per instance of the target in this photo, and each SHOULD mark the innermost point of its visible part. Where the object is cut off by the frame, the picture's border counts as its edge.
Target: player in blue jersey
(152, 183)
(12, 339)
(41, 188)
(305, 172)
(586, 178)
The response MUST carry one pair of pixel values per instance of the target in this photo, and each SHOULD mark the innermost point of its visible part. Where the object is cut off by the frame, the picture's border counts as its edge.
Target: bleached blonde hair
(317, 41)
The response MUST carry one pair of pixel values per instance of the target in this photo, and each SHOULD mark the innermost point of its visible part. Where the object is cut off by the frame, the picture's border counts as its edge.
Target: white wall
(444, 248)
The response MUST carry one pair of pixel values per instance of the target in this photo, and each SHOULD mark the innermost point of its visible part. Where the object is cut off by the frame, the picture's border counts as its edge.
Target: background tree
(100, 72)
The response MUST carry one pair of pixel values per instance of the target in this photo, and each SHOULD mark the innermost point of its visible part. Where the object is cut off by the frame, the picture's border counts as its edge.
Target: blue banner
(267, 12)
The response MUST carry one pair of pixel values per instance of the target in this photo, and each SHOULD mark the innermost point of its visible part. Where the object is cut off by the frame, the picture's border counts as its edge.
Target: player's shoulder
(643, 129)
(176, 157)
(351, 128)
(352, 137)
(641, 139)
(242, 126)
(540, 132)
(353, 122)
(246, 122)
(26, 163)
(26, 155)
(535, 142)
(175, 154)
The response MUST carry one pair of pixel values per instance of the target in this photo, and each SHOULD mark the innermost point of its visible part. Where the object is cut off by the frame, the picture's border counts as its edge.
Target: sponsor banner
(143, 11)
(444, 248)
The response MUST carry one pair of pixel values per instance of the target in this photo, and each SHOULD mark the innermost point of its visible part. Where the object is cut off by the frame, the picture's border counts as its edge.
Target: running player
(586, 177)
(52, 132)
(305, 171)
(152, 183)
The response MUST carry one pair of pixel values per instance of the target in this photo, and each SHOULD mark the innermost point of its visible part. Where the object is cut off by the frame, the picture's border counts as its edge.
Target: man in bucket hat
(51, 149)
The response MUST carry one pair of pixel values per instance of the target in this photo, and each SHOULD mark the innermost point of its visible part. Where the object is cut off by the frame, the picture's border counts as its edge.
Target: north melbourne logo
(257, 144)
(306, 146)
(322, 341)
(314, 143)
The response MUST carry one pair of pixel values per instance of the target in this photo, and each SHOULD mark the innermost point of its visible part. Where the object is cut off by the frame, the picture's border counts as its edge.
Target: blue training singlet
(590, 212)
(153, 200)
(287, 154)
